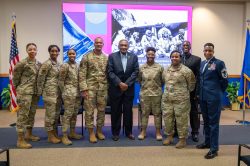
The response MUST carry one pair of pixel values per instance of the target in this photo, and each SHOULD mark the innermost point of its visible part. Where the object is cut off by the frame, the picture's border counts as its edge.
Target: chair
(140, 116)
(244, 158)
(108, 107)
(80, 112)
(199, 116)
(7, 162)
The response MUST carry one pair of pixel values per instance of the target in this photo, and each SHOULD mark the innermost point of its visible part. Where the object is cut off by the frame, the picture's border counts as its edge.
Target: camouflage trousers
(96, 100)
(27, 111)
(52, 106)
(71, 108)
(148, 104)
(179, 111)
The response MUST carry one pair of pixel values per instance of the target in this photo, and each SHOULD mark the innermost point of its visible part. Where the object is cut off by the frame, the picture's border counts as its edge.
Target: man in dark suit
(123, 69)
(213, 83)
(193, 63)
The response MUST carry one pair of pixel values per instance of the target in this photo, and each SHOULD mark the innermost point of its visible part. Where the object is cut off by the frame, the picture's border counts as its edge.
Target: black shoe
(211, 155)
(115, 138)
(203, 146)
(195, 137)
(130, 136)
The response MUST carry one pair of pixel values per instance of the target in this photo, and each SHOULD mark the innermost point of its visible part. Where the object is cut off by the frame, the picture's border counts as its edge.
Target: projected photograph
(150, 28)
(162, 27)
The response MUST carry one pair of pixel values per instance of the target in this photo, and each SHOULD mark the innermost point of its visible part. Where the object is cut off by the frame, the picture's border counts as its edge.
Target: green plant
(232, 92)
(5, 96)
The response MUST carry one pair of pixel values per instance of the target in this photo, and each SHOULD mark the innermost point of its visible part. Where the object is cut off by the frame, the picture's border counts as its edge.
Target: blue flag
(245, 72)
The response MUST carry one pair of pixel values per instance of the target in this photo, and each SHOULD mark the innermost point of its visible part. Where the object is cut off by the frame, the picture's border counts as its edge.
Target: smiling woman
(150, 80)
(179, 82)
(175, 57)
(47, 86)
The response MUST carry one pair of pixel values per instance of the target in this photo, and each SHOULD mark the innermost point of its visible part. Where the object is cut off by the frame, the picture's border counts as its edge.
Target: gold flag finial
(13, 16)
(248, 23)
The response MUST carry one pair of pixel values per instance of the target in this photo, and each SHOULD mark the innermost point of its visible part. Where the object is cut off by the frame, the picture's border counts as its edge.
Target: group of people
(164, 42)
(186, 81)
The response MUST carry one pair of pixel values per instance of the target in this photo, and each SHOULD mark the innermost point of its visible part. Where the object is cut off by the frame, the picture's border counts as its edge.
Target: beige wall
(221, 24)
(37, 21)
(248, 10)
(40, 22)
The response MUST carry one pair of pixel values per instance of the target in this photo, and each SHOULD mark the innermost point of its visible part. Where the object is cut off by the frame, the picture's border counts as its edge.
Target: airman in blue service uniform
(213, 82)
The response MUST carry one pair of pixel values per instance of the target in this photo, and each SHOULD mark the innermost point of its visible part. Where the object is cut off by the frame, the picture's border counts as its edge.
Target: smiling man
(93, 86)
(213, 83)
(123, 69)
(193, 63)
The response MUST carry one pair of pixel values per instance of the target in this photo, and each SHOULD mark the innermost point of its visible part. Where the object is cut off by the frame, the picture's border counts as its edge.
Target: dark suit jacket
(117, 75)
(213, 81)
(193, 62)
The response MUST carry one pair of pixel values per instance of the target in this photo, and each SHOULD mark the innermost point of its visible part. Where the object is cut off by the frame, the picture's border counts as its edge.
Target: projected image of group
(161, 27)
(151, 28)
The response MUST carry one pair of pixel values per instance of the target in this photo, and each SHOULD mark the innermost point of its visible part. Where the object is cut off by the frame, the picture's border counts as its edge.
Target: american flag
(14, 58)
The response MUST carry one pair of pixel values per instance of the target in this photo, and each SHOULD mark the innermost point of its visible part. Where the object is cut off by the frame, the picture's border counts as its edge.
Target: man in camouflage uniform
(69, 86)
(179, 82)
(47, 85)
(150, 79)
(24, 80)
(93, 86)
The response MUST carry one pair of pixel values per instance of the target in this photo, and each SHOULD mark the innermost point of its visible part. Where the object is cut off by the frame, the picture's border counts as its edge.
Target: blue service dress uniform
(213, 83)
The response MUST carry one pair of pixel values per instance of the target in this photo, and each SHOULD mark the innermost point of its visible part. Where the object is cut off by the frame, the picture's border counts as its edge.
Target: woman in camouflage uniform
(47, 85)
(179, 82)
(150, 79)
(24, 80)
(69, 86)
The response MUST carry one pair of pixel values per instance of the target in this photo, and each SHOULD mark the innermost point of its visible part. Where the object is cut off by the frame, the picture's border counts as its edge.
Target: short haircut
(150, 49)
(30, 44)
(123, 40)
(70, 50)
(175, 51)
(186, 41)
(52, 46)
(209, 44)
(98, 38)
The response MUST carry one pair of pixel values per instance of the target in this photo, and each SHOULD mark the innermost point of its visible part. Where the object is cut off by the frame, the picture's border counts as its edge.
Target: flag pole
(13, 22)
(243, 121)
(244, 101)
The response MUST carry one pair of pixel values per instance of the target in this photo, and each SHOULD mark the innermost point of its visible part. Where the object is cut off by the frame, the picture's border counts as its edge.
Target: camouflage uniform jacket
(150, 79)
(93, 72)
(25, 76)
(47, 81)
(179, 82)
(69, 80)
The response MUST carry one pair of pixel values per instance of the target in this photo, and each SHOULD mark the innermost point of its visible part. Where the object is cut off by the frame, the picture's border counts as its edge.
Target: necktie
(205, 66)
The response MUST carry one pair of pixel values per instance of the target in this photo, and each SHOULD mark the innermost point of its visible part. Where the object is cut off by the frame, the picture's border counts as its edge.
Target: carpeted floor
(229, 135)
(122, 156)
